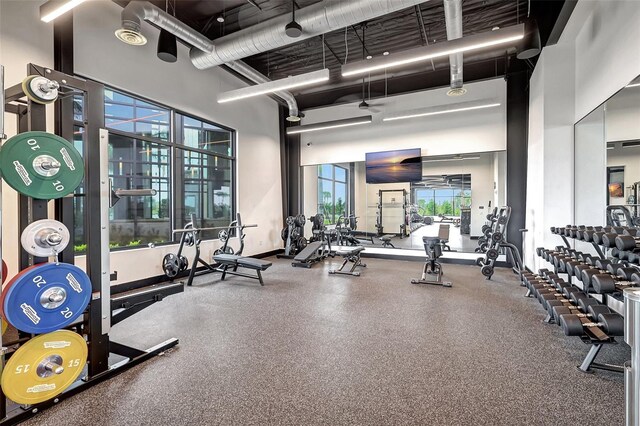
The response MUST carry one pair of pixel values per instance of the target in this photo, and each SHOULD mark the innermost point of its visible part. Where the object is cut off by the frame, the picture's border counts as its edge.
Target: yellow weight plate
(44, 367)
(4, 326)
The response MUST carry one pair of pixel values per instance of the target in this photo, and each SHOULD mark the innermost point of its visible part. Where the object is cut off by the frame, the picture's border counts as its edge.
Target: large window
(332, 192)
(442, 195)
(207, 180)
(189, 162)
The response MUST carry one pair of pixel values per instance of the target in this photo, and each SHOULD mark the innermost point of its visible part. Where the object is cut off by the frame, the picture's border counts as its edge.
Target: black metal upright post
(63, 119)
(517, 150)
(94, 107)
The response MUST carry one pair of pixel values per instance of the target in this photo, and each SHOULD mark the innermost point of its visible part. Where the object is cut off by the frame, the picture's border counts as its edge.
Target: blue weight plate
(46, 297)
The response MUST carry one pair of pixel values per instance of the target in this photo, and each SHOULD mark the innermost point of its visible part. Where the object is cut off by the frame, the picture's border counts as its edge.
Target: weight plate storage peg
(40, 89)
(45, 238)
(46, 297)
(44, 367)
(41, 165)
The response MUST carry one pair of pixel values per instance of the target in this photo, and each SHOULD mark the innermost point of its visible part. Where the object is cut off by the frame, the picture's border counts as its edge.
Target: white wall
(596, 56)
(622, 115)
(99, 55)
(470, 131)
(590, 169)
(23, 39)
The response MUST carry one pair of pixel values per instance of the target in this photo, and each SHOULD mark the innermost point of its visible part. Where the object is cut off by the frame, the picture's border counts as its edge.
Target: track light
(442, 109)
(167, 46)
(531, 44)
(54, 8)
(275, 86)
(438, 50)
(330, 125)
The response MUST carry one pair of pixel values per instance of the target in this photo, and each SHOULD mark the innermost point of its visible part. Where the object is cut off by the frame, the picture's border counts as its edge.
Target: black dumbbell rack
(98, 318)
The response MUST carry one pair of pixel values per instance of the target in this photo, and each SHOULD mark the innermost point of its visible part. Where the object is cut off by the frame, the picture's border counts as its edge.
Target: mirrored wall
(607, 161)
(450, 197)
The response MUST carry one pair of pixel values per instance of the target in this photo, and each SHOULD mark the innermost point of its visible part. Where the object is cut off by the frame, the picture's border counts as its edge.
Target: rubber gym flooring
(309, 348)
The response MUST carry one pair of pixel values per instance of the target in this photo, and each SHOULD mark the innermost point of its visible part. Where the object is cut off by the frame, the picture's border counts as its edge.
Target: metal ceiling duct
(453, 21)
(137, 11)
(315, 20)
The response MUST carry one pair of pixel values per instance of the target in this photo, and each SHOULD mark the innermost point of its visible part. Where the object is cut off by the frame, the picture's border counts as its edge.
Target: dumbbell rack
(98, 318)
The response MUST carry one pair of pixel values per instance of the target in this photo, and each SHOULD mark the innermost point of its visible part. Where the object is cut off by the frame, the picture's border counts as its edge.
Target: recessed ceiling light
(385, 53)
(220, 18)
(369, 56)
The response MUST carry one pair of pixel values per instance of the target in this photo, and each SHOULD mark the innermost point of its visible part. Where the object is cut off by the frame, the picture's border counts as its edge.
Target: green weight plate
(41, 165)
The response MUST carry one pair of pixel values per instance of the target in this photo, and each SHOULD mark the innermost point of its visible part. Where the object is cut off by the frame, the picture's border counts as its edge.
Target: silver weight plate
(43, 89)
(44, 238)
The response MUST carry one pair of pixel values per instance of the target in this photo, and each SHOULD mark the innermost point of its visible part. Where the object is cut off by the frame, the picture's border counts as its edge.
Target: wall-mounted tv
(403, 165)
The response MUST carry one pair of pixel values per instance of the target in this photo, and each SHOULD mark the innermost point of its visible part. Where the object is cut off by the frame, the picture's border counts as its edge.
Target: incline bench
(226, 261)
(350, 254)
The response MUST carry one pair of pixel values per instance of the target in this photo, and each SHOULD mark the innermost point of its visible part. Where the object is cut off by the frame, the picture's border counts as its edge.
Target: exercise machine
(403, 216)
(292, 235)
(432, 270)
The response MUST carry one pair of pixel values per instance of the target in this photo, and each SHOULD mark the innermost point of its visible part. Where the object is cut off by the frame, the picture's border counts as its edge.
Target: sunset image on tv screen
(394, 166)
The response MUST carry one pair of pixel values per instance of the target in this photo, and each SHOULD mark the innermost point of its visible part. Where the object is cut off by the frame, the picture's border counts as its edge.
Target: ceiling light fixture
(293, 29)
(167, 46)
(275, 86)
(435, 160)
(54, 8)
(220, 18)
(442, 109)
(330, 125)
(445, 48)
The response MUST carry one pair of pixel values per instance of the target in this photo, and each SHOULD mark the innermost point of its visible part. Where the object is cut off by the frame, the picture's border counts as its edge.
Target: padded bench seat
(350, 254)
(386, 240)
(235, 261)
(348, 251)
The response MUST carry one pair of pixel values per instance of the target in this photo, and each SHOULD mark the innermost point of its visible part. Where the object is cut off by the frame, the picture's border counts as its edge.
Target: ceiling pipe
(137, 11)
(453, 22)
(315, 20)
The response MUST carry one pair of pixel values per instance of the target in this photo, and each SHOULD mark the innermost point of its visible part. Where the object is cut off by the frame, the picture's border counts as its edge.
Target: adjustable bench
(226, 261)
(386, 240)
(309, 255)
(350, 254)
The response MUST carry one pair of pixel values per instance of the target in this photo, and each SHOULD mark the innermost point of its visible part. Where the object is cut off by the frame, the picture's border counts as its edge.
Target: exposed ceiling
(413, 27)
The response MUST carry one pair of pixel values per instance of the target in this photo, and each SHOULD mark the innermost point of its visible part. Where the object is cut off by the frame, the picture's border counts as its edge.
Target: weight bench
(386, 240)
(227, 261)
(309, 255)
(350, 254)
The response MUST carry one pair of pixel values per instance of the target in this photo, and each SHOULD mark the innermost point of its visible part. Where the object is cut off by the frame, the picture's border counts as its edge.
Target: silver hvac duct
(453, 21)
(137, 11)
(317, 19)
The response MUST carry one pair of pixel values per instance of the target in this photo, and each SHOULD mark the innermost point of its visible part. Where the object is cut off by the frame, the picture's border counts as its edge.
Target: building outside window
(332, 192)
(188, 161)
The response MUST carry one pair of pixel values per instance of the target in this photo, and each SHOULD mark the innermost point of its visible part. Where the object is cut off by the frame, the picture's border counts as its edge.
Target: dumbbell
(579, 304)
(600, 266)
(572, 294)
(586, 311)
(627, 242)
(606, 325)
(607, 283)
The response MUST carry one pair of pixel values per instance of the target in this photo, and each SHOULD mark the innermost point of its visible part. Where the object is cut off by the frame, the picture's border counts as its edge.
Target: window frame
(333, 181)
(173, 142)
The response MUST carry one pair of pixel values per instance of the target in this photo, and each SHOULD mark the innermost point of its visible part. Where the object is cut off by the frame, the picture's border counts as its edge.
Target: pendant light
(363, 104)
(293, 29)
(167, 44)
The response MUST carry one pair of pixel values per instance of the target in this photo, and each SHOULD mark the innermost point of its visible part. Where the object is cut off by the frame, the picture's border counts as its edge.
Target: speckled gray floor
(309, 348)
